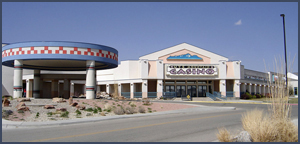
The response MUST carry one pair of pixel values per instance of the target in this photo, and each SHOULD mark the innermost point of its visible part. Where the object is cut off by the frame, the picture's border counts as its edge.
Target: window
(180, 82)
(169, 82)
(191, 82)
(296, 90)
(202, 82)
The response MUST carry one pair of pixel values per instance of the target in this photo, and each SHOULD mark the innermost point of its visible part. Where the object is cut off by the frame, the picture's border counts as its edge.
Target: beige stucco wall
(152, 69)
(229, 70)
(206, 60)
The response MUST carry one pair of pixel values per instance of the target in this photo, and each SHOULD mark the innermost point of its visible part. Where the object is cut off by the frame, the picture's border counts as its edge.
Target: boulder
(49, 107)
(70, 100)
(61, 109)
(121, 98)
(20, 105)
(80, 107)
(23, 108)
(109, 98)
(58, 100)
(23, 100)
(102, 113)
(244, 136)
(82, 96)
(5, 102)
(74, 104)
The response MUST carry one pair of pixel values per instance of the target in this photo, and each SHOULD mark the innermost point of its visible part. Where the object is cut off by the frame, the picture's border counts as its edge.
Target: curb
(228, 102)
(6, 123)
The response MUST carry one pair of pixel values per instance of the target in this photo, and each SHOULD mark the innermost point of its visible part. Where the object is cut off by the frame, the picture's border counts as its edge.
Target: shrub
(49, 114)
(119, 111)
(141, 109)
(6, 113)
(257, 95)
(149, 110)
(20, 111)
(8, 97)
(95, 111)
(65, 114)
(253, 96)
(146, 102)
(89, 109)
(78, 112)
(245, 96)
(132, 104)
(99, 109)
(224, 135)
(108, 107)
(129, 110)
(37, 115)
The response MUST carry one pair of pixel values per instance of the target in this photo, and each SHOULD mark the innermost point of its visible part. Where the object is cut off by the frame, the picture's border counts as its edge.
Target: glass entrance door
(192, 90)
(202, 91)
(180, 90)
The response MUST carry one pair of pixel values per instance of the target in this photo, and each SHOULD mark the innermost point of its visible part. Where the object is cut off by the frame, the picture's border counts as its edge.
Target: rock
(80, 107)
(20, 105)
(82, 96)
(244, 136)
(109, 98)
(74, 104)
(89, 114)
(6, 113)
(121, 98)
(5, 102)
(102, 113)
(49, 107)
(23, 100)
(23, 108)
(58, 100)
(61, 109)
(70, 100)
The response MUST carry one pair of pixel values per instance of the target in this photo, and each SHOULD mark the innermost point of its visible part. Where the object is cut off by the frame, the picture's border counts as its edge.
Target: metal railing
(212, 96)
(152, 94)
(169, 94)
(125, 94)
(216, 95)
(137, 94)
(230, 94)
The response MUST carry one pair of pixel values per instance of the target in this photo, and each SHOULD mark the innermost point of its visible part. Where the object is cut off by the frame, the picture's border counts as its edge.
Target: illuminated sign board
(191, 70)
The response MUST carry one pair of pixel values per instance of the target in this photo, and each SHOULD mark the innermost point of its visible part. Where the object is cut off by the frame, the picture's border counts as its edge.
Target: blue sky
(246, 31)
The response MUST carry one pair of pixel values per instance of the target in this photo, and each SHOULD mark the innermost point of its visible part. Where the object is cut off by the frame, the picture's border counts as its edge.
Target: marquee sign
(185, 57)
(191, 70)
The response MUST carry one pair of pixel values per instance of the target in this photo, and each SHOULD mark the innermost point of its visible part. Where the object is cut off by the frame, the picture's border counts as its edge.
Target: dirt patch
(38, 113)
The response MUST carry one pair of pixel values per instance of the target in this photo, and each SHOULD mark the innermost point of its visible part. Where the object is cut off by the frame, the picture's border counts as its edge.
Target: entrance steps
(196, 99)
(202, 99)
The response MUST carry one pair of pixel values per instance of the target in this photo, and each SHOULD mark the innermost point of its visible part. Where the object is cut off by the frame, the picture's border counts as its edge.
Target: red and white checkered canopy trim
(59, 50)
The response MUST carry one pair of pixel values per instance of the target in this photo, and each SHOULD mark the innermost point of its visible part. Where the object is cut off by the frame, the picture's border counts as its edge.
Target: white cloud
(238, 22)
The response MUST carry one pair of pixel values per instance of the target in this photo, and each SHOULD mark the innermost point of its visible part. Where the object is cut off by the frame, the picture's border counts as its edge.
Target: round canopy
(59, 56)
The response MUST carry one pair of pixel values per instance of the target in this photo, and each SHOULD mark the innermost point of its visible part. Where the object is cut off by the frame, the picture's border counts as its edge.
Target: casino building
(176, 71)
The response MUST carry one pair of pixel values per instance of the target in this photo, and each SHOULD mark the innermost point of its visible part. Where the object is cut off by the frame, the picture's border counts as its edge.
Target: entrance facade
(193, 88)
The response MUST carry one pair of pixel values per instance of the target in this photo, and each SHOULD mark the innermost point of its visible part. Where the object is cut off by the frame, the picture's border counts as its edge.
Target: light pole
(282, 15)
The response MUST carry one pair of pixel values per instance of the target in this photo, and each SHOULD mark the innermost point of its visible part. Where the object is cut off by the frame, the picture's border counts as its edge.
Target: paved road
(193, 125)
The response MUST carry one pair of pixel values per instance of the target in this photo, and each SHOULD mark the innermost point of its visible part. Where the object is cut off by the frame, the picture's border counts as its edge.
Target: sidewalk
(14, 124)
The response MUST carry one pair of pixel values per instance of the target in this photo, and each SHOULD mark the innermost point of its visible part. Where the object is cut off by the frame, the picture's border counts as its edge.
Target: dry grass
(119, 111)
(274, 126)
(224, 135)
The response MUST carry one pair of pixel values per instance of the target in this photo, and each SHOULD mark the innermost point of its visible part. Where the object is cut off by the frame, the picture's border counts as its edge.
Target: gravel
(37, 106)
